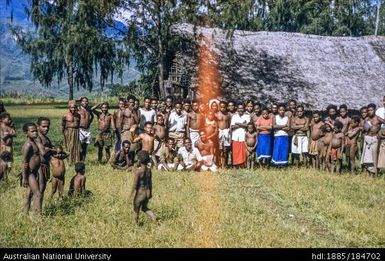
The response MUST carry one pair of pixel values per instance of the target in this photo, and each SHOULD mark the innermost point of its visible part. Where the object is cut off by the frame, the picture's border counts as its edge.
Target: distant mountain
(15, 75)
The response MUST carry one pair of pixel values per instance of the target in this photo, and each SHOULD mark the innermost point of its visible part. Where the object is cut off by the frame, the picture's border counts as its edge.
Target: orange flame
(209, 81)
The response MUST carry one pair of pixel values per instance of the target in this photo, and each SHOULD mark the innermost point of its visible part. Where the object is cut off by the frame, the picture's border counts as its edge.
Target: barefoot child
(336, 147)
(251, 144)
(141, 190)
(160, 136)
(31, 165)
(351, 142)
(211, 129)
(281, 138)
(264, 126)
(58, 171)
(78, 182)
(323, 146)
(316, 135)
(147, 138)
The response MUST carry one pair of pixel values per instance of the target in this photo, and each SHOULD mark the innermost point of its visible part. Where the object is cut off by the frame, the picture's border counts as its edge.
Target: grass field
(261, 208)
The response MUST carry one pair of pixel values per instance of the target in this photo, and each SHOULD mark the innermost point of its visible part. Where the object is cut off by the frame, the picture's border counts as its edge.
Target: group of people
(194, 135)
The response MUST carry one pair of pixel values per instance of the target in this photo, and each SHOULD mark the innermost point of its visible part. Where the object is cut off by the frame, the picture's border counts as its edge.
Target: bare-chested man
(316, 134)
(129, 125)
(163, 110)
(31, 165)
(372, 126)
(336, 147)
(106, 126)
(86, 118)
(58, 171)
(118, 118)
(300, 142)
(206, 149)
(121, 159)
(46, 150)
(195, 121)
(7, 133)
(169, 104)
(70, 129)
(224, 135)
(231, 108)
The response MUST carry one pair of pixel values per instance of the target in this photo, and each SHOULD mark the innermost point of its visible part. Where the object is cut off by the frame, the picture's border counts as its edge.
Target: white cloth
(380, 112)
(84, 136)
(189, 156)
(280, 121)
(169, 166)
(146, 115)
(209, 163)
(239, 133)
(177, 122)
(194, 136)
(224, 137)
(302, 147)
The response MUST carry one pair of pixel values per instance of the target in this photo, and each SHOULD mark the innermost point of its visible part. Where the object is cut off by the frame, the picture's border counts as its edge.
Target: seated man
(191, 156)
(168, 158)
(206, 149)
(122, 160)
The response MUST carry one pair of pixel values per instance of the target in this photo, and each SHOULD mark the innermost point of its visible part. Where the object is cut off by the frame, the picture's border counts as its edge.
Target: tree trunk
(70, 78)
(160, 52)
(377, 16)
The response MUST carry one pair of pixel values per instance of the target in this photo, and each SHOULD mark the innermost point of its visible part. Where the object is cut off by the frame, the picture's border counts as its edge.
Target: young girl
(264, 126)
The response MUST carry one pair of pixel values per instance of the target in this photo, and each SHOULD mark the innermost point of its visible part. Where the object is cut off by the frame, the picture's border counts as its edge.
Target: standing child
(264, 126)
(351, 142)
(281, 138)
(141, 191)
(31, 165)
(211, 128)
(336, 147)
(78, 182)
(251, 144)
(7, 133)
(323, 146)
(316, 134)
(58, 171)
(160, 136)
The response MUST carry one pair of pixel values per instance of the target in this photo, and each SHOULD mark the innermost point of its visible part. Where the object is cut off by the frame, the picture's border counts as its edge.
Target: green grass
(261, 208)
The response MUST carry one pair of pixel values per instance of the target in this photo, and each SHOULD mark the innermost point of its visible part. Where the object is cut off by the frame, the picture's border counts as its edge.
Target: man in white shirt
(177, 124)
(238, 126)
(146, 113)
(190, 155)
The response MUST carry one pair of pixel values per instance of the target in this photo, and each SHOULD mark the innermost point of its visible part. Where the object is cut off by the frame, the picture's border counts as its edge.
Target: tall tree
(377, 16)
(70, 40)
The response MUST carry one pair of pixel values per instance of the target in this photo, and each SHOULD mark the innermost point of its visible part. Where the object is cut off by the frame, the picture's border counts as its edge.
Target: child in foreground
(141, 191)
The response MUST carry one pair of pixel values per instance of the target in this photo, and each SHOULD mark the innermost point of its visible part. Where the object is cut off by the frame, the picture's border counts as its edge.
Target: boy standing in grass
(31, 165)
(251, 144)
(78, 182)
(316, 135)
(351, 142)
(336, 147)
(58, 171)
(141, 190)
